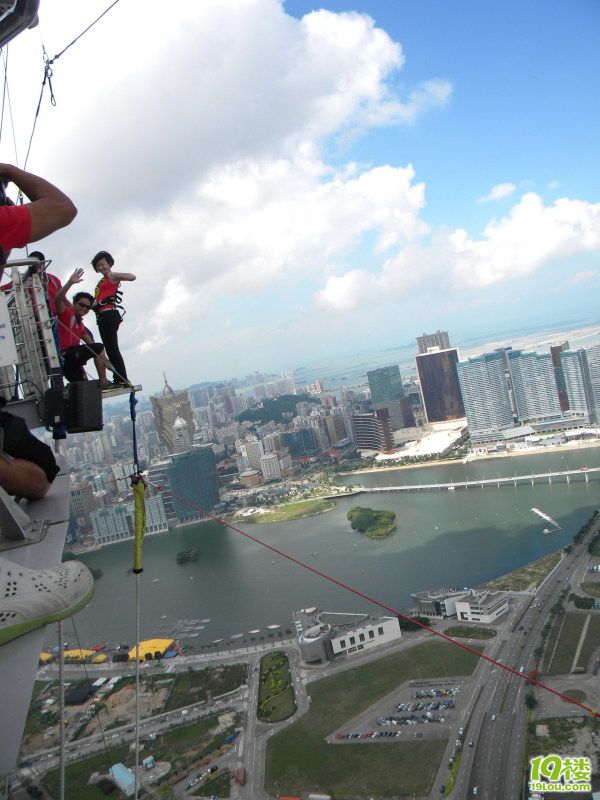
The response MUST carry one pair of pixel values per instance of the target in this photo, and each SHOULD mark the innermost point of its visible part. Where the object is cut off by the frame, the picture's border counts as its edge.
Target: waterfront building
(116, 523)
(593, 359)
(158, 477)
(193, 477)
(559, 376)
(578, 382)
(166, 407)
(534, 385)
(439, 603)
(324, 635)
(438, 339)
(485, 394)
(440, 387)
(372, 431)
(481, 606)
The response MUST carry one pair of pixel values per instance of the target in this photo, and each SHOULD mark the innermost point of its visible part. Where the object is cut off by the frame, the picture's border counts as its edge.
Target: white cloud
(498, 192)
(519, 244)
(589, 276)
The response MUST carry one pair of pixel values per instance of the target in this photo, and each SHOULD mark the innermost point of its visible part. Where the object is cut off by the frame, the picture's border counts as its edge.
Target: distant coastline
(531, 451)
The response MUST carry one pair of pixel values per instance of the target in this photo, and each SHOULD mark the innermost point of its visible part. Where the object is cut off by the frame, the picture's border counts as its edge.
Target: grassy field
(192, 686)
(464, 632)
(289, 511)
(562, 643)
(299, 760)
(530, 574)
(560, 731)
(276, 700)
(592, 588)
(36, 720)
(591, 642)
(77, 775)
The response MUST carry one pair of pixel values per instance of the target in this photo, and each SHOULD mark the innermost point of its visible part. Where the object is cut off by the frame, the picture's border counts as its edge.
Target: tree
(530, 701)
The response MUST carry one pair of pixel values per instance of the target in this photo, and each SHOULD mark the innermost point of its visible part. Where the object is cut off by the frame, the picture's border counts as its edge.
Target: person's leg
(108, 326)
(72, 365)
(96, 351)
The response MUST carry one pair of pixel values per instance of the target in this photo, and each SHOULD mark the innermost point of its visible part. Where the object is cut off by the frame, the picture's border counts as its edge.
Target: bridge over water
(584, 473)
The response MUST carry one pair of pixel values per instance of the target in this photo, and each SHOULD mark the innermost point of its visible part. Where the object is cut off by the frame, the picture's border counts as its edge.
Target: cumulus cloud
(498, 192)
(529, 236)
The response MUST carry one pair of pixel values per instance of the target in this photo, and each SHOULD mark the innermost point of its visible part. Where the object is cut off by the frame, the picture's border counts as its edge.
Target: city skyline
(342, 178)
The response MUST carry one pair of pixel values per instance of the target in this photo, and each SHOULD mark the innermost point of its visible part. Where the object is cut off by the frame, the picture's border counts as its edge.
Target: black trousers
(108, 326)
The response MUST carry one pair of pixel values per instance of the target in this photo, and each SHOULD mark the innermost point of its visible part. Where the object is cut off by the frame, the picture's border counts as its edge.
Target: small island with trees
(191, 554)
(375, 524)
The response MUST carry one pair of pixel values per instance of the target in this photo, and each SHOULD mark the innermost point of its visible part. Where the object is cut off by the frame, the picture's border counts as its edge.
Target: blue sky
(294, 181)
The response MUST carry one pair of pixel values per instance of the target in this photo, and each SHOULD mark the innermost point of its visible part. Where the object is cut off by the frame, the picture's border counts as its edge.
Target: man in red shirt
(72, 331)
(48, 210)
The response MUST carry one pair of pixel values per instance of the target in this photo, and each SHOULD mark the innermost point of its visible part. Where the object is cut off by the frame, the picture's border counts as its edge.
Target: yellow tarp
(45, 657)
(99, 659)
(151, 646)
(80, 655)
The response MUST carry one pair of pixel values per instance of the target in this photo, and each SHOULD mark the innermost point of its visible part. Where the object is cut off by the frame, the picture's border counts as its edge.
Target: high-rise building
(579, 383)
(193, 477)
(182, 440)
(372, 431)
(270, 466)
(438, 339)
(559, 376)
(593, 359)
(301, 443)
(485, 393)
(336, 428)
(166, 407)
(440, 387)
(534, 385)
(254, 451)
(385, 385)
(117, 523)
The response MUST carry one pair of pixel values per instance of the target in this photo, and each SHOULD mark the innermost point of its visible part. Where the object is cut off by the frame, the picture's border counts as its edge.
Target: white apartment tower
(534, 385)
(485, 393)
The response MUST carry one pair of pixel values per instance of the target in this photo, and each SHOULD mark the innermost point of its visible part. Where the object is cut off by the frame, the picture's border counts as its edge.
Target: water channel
(460, 538)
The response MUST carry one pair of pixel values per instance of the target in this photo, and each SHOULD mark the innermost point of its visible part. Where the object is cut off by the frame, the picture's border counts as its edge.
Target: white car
(474, 790)
(493, 718)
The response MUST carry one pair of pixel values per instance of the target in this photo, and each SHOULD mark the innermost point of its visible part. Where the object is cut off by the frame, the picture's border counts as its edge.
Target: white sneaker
(31, 598)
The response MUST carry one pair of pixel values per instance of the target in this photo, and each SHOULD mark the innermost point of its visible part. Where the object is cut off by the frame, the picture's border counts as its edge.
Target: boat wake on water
(548, 519)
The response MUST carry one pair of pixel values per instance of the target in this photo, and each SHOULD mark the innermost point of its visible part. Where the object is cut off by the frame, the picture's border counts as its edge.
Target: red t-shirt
(70, 331)
(105, 288)
(15, 227)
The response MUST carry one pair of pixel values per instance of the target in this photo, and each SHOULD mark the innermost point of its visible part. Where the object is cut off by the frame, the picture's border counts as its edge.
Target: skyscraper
(440, 387)
(193, 477)
(166, 407)
(485, 393)
(578, 383)
(372, 431)
(534, 385)
(385, 384)
(593, 359)
(438, 339)
(559, 377)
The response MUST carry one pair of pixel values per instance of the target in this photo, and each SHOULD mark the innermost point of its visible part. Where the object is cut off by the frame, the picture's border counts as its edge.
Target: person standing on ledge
(107, 303)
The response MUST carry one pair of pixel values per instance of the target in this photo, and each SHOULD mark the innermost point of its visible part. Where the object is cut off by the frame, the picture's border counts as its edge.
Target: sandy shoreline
(532, 451)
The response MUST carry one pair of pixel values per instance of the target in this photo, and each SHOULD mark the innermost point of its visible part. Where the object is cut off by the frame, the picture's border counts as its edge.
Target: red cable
(364, 596)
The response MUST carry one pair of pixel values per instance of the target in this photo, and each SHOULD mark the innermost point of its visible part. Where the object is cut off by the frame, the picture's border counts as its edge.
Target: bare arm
(23, 478)
(60, 298)
(50, 208)
(121, 276)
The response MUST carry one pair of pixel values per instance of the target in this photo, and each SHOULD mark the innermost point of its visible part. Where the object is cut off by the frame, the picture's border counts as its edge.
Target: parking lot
(418, 709)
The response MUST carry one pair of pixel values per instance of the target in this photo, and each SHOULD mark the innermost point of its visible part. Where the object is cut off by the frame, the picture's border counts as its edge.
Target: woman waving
(107, 306)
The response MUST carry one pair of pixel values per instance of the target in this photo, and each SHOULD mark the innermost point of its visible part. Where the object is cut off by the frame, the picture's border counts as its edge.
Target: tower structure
(559, 376)
(438, 339)
(578, 383)
(166, 407)
(440, 387)
(385, 385)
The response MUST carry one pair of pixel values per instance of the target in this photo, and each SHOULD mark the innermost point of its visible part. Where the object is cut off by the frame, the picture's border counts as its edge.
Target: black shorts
(75, 357)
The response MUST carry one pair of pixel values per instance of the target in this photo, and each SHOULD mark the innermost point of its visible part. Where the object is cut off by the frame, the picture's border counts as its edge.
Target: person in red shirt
(72, 331)
(108, 317)
(48, 210)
